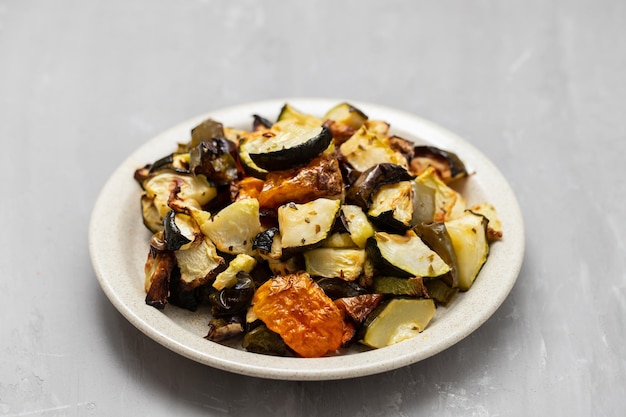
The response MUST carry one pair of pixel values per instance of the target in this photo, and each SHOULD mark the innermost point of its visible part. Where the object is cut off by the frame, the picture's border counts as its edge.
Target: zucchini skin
(299, 155)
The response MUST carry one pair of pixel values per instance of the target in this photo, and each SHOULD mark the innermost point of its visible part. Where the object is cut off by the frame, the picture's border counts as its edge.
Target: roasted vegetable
(317, 328)
(303, 226)
(215, 159)
(413, 287)
(304, 235)
(367, 148)
(397, 320)
(360, 306)
(338, 288)
(158, 268)
(263, 340)
(394, 207)
(235, 298)
(363, 189)
(223, 328)
(448, 202)
(199, 264)
(343, 120)
(436, 236)
(357, 224)
(229, 277)
(447, 164)
(180, 231)
(346, 264)
(234, 228)
(468, 234)
(205, 131)
(404, 256)
(320, 178)
(287, 145)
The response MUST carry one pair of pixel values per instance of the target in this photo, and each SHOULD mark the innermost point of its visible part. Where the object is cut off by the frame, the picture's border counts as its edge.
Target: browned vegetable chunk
(320, 178)
(296, 308)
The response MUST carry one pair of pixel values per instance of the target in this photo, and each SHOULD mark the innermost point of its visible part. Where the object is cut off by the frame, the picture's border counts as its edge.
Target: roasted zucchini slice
(303, 226)
(234, 228)
(404, 256)
(287, 144)
(397, 320)
(346, 264)
(346, 114)
(290, 113)
(468, 234)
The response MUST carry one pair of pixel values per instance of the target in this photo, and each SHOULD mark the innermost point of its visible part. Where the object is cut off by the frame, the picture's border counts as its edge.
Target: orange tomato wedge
(296, 308)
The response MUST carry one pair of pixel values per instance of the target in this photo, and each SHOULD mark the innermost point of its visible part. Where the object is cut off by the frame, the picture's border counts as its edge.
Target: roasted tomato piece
(296, 308)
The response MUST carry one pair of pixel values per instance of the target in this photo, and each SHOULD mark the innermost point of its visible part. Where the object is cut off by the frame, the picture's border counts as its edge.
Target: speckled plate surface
(118, 244)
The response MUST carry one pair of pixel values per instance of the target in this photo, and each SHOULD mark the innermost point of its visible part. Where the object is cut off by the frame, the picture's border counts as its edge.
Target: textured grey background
(538, 86)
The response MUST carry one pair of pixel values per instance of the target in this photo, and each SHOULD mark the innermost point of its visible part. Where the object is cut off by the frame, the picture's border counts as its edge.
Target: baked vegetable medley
(309, 234)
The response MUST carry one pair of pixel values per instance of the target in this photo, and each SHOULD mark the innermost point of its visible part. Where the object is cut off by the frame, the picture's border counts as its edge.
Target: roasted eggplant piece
(436, 236)
(234, 228)
(397, 320)
(199, 264)
(338, 288)
(287, 145)
(215, 159)
(303, 226)
(361, 192)
(224, 328)
(404, 256)
(359, 306)
(180, 296)
(367, 148)
(320, 178)
(205, 131)
(236, 298)
(346, 264)
(468, 234)
(158, 269)
(175, 162)
(394, 207)
(181, 231)
(260, 123)
(448, 165)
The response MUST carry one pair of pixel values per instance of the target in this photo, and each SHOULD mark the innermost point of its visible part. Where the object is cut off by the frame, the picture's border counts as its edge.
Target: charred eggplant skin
(174, 238)
(361, 191)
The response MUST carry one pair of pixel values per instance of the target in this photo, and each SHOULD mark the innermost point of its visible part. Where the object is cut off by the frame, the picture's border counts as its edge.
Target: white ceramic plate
(118, 244)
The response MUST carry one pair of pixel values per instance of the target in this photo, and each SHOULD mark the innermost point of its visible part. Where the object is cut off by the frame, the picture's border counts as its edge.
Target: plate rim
(237, 361)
